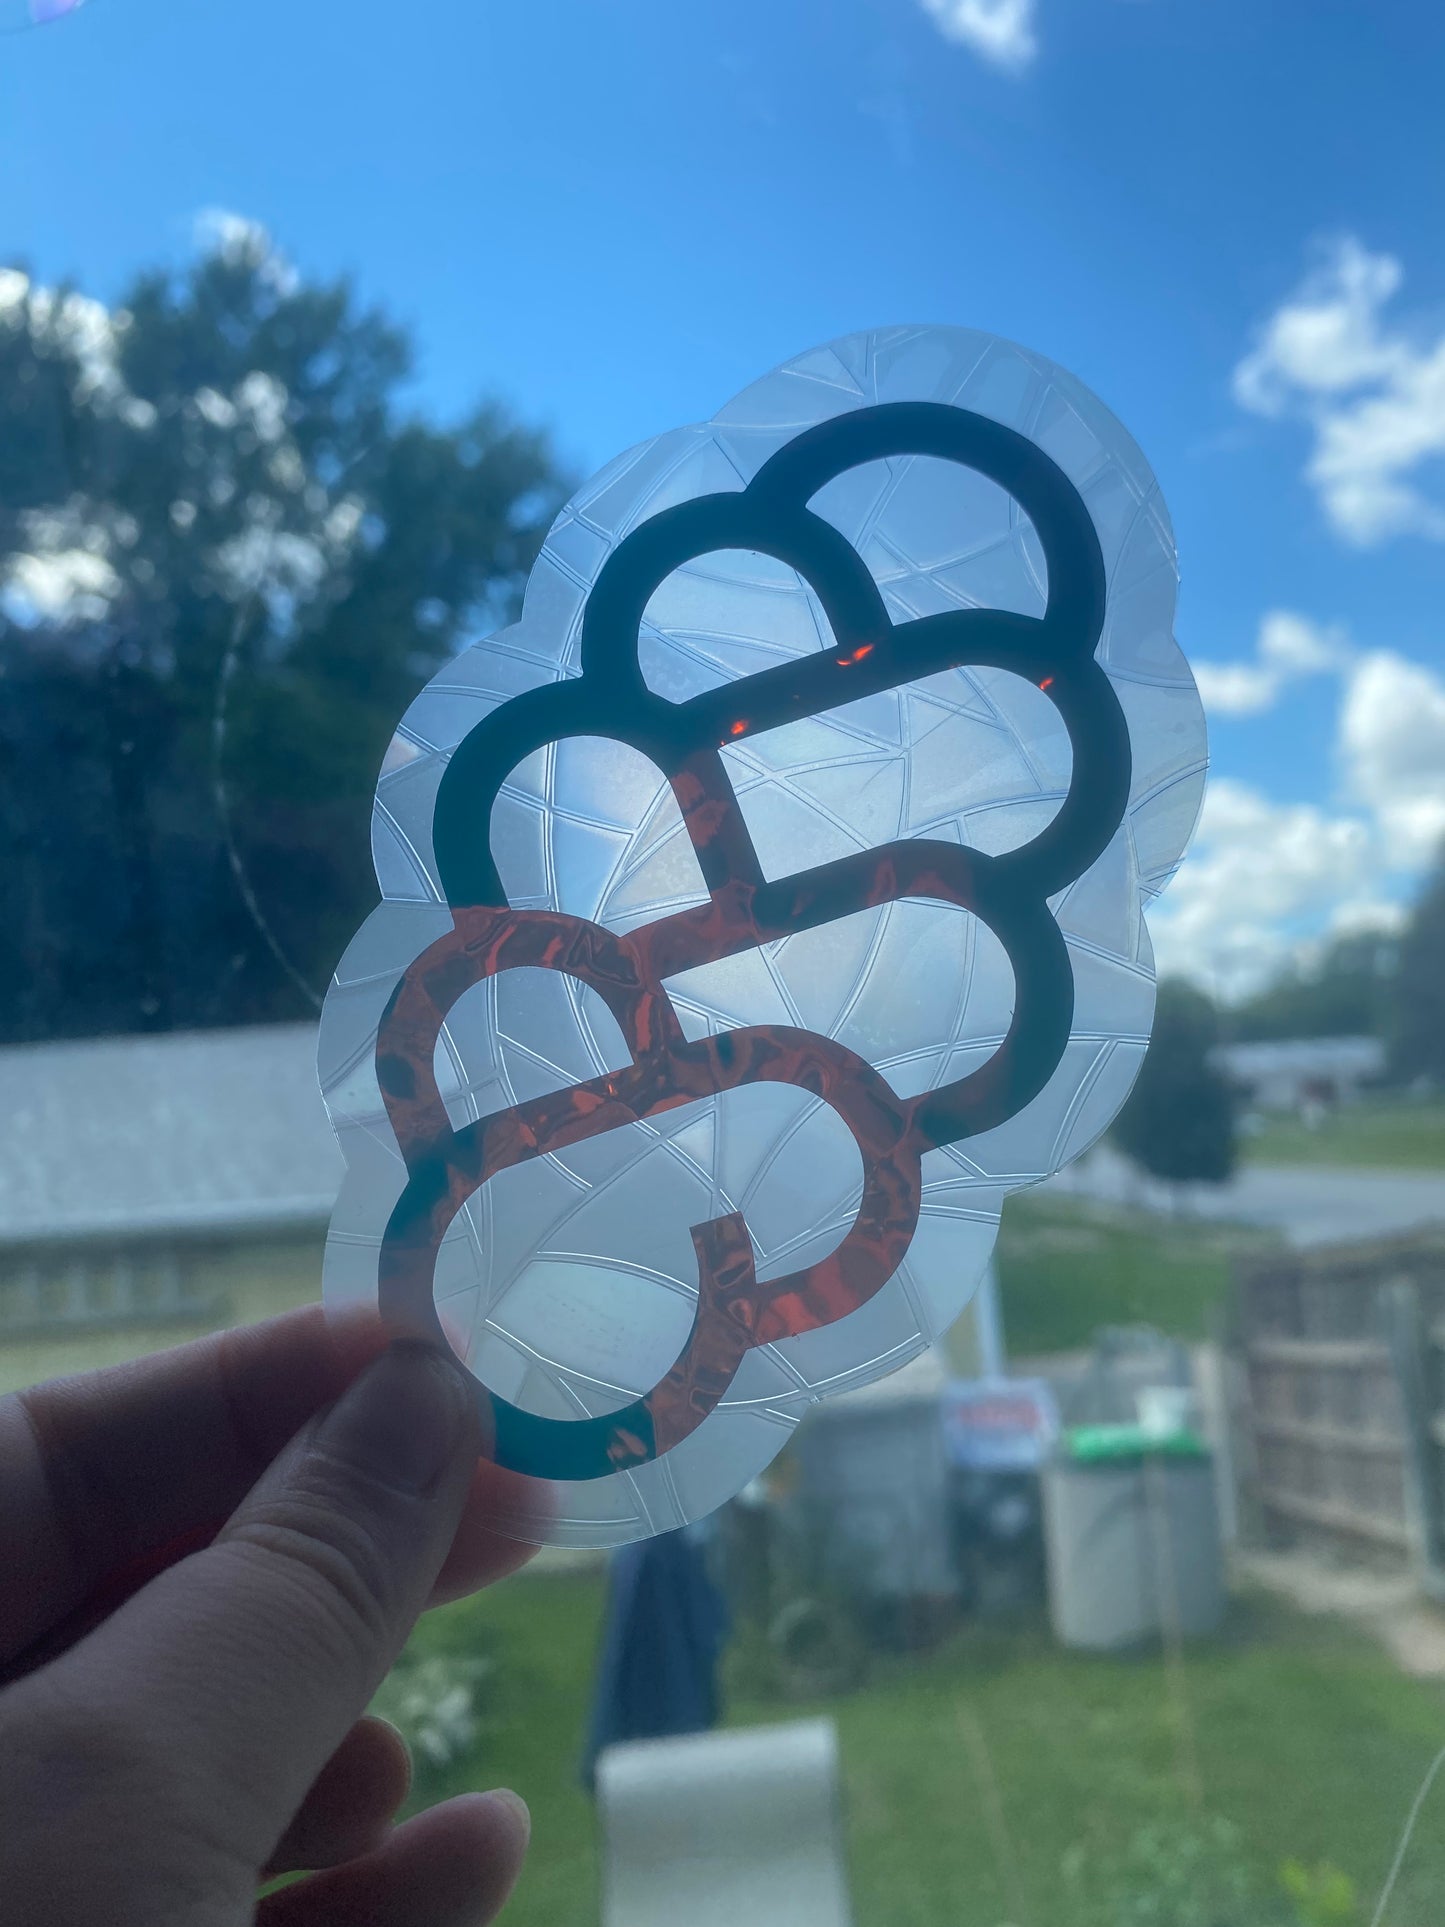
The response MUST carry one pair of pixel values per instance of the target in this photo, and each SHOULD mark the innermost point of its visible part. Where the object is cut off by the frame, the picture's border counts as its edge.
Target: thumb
(248, 1662)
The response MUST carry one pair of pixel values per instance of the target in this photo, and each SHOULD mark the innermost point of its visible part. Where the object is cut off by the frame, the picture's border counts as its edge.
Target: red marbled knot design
(734, 1310)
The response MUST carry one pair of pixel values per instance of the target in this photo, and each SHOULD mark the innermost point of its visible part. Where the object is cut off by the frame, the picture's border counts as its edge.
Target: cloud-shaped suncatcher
(759, 910)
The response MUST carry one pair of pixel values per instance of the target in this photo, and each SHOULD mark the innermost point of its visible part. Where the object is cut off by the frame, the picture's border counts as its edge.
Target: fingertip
(355, 1334)
(512, 1811)
(285, 1625)
(350, 1807)
(502, 1526)
(452, 1866)
(408, 1421)
(492, 1832)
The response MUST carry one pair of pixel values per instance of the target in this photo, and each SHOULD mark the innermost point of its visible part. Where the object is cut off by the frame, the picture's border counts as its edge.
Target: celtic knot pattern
(745, 909)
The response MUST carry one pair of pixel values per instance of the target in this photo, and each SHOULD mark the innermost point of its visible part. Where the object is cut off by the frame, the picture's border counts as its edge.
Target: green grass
(1399, 1136)
(1309, 1743)
(542, 1634)
(1065, 1268)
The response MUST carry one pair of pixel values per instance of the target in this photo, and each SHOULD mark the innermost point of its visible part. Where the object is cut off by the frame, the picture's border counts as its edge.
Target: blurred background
(1124, 1608)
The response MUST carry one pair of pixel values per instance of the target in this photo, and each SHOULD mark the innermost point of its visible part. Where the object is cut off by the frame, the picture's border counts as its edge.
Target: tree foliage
(229, 557)
(1347, 992)
(1417, 1029)
(1178, 1121)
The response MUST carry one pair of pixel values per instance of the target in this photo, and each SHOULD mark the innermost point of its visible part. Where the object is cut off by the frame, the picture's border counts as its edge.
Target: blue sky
(1225, 217)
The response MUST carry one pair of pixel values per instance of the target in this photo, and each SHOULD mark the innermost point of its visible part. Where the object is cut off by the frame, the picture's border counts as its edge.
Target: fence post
(1407, 1336)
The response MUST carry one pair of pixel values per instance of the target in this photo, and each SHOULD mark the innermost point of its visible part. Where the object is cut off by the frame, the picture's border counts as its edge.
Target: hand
(208, 1561)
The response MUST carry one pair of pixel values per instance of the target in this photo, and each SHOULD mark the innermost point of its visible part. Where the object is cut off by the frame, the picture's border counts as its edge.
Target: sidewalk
(1386, 1606)
(1310, 1204)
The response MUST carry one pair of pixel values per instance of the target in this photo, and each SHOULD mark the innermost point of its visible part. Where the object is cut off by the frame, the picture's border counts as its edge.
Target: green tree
(229, 557)
(1417, 1016)
(1178, 1122)
(1347, 992)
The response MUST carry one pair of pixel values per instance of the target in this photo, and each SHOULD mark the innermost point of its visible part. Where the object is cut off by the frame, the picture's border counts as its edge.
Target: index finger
(110, 1476)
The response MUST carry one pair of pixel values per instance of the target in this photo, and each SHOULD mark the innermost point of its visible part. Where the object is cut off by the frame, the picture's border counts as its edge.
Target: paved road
(1309, 1204)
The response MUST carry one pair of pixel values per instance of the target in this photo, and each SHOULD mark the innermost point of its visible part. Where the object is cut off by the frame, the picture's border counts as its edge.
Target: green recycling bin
(1131, 1530)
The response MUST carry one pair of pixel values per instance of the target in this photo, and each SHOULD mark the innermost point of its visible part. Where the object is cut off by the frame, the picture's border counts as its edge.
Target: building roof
(922, 1380)
(192, 1132)
(1304, 1057)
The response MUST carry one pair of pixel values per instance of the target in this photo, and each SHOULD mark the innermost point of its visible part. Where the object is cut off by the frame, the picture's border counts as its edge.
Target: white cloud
(1266, 881)
(263, 400)
(235, 237)
(275, 563)
(62, 569)
(1325, 340)
(242, 242)
(1292, 645)
(343, 522)
(73, 325)
(1392, 747)
(260, 400)
(1367, 912)
(86, 328)
(70, 559)
(212, 406)
(67, 585)
(1288, 647)
(1372, 390)
(1235, 688)
(1260, 877)
(999, 31)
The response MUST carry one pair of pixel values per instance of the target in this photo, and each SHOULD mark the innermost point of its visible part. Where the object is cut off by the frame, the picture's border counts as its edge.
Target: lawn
(1066, 1267)
(1398, 1136)
(1309, 1745)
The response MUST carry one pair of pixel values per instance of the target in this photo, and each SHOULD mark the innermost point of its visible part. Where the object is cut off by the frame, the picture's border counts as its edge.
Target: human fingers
(113, 1476)
(104, 1473)
(452, 1866)
(482, 1552)
(247, 1663)
(352, 1801)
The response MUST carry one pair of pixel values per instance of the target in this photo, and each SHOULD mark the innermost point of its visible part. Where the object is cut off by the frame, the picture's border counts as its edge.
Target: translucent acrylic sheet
(782, 912)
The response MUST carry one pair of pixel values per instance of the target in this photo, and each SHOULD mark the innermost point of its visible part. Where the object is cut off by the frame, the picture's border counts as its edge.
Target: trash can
(873, 1487)
(1131, 1533)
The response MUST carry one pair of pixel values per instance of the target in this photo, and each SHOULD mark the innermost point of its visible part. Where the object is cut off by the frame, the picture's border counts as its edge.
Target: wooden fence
(1343, 1350)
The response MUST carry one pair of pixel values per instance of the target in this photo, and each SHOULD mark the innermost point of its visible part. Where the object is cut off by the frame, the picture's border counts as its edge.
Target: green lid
(1111, 1444)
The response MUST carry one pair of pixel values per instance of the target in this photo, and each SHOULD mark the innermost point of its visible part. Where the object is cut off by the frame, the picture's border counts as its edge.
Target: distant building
(155, 1187)
(1298, 1073)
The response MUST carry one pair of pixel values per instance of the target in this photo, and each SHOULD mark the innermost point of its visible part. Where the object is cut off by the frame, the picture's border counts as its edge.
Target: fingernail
(403, 1420)
(503, 1796)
